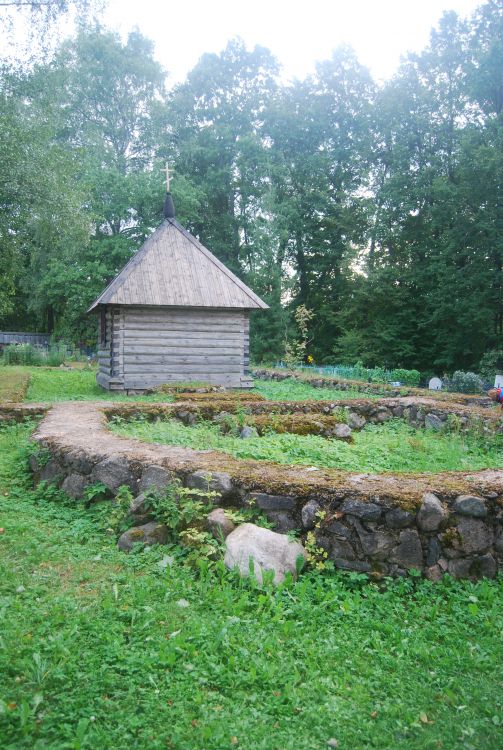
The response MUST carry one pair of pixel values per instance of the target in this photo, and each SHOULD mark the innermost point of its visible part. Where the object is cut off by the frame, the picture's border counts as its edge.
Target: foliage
(406, 377)
(27, 354)
(296, 350)
(179, 507)
(120, 508)
(491, 364)
(393, 446)
(317, 557)
(371, 374)
(377, 208)
(465, 382)
(90, 636)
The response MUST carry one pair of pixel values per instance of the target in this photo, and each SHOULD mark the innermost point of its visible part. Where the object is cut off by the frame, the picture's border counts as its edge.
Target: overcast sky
(298, 32)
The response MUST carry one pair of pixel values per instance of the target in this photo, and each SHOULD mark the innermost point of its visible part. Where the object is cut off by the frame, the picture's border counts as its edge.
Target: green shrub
(465, 382)
(56, 355)
(491, 364)
(407, 377)
(27, 354)
(371, 374)
(22, 354)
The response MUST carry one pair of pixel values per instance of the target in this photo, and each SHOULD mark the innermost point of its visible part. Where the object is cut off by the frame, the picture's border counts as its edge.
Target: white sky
(298, 32)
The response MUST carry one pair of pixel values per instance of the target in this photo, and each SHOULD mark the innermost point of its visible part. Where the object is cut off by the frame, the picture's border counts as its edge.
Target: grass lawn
(55, 384)
(102, 650)
(13, 383)
(394, 446)
(299, 390)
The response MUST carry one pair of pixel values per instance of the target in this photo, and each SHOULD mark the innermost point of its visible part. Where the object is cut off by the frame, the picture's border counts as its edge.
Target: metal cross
(168, 175)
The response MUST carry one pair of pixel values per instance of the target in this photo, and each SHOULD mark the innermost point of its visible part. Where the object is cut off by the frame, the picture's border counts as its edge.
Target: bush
(407, 377)
(372, 374)
(27, 354)
(465, 382)
(22, 354)
(56, 355)
(491, 364)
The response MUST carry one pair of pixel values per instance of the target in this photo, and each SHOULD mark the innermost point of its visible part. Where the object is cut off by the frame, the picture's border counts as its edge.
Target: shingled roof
(173, 269)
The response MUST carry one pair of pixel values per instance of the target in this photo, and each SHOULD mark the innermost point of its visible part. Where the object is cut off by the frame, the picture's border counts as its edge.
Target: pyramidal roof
(173, 269)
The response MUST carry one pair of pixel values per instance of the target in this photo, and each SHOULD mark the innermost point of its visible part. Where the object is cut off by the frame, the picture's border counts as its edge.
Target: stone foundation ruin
(378, 524)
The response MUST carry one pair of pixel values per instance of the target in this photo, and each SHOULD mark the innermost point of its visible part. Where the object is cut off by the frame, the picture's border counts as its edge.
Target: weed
(317, 557)
(393, 446)
(120, 509)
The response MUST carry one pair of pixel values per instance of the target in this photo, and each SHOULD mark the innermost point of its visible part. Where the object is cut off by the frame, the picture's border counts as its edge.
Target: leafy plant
(120, 509)
(295, 351)
(491, 364)
(178, 507)
(95, 491)
(465, 382)
(317, 557)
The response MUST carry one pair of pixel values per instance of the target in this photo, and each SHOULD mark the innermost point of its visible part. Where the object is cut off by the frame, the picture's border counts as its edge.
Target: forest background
(378, 207)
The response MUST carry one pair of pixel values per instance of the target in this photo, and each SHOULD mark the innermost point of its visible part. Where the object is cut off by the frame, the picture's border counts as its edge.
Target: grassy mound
(295, 424)
(231, 397)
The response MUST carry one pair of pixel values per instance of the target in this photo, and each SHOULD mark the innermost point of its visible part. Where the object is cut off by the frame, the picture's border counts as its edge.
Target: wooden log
(176, 351)
(201, 369)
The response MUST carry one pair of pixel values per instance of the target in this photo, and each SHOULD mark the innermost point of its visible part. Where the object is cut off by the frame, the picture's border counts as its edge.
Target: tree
(95, 103)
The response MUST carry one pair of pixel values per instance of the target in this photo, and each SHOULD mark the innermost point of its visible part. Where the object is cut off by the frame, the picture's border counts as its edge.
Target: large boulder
(113, 472)
(355, 421)
(409, 552)
(253, 548)
(75, 485)
(51, 472)
(309, 514)
(140, 511)
(248, 432)
(397, 518)
(219, 525)
(432, 422)
(148, 535)
(273, 502)
(342, 432)
(154, 478)
(214, 481)
(475, 535)
(470, 505)
(431, 513)
(365, 511)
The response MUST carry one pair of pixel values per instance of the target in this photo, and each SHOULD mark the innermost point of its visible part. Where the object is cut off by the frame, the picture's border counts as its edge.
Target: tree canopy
(378, 208)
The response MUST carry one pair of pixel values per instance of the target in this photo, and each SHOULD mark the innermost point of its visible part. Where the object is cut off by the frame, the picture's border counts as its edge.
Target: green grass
(95, 652)
(13, 383)
(298, 390)
(394, 446)
(54, 384)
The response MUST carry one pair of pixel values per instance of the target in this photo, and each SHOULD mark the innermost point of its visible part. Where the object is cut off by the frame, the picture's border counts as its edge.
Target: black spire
(169, 207)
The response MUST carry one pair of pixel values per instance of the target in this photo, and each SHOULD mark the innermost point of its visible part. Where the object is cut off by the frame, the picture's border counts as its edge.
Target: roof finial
(169, 206)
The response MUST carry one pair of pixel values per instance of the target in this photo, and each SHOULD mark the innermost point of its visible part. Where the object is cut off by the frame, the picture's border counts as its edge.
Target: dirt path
(81, 426)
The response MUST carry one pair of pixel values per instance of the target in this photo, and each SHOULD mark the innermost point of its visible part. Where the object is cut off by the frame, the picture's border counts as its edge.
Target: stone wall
(378, 389)
(440, 529)
(418, 412)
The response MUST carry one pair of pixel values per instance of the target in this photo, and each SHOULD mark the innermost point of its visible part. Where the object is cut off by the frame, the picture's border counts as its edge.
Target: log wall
(149, 346)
